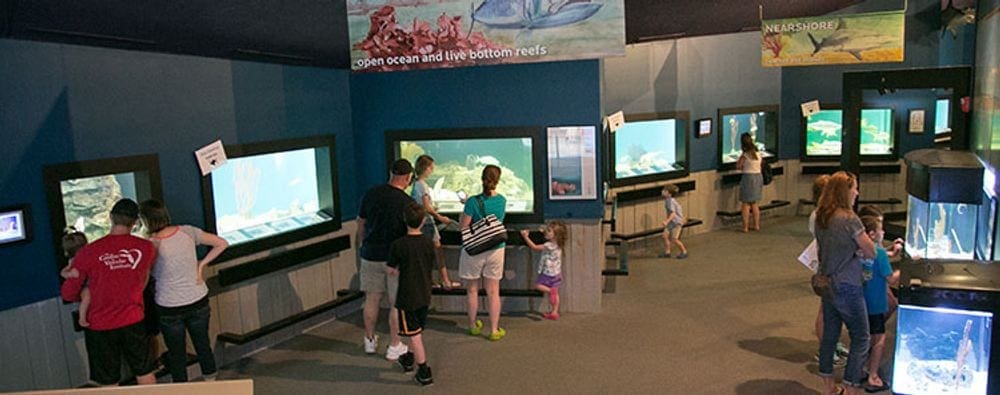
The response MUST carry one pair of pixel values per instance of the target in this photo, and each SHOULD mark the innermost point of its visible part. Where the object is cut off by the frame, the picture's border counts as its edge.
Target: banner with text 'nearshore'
(837, 39)
(394, 35)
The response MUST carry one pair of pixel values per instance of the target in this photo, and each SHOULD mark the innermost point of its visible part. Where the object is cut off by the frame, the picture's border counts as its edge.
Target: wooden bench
(621, 242)
(343, 297)
(764, 207)
(531, 293)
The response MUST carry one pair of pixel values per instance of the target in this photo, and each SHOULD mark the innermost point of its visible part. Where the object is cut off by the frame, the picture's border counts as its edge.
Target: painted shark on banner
(859, 38)
(533, 14)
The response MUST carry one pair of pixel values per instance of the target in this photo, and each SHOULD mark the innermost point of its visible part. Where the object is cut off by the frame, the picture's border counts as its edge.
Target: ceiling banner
(837, 39)
(392, 35)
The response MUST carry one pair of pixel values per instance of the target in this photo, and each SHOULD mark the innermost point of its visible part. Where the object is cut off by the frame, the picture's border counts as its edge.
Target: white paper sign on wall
(211, 157)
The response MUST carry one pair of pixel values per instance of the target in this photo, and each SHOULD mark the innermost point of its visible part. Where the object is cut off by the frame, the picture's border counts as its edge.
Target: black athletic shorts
(876, 324)
(107, 349)
(411, 322)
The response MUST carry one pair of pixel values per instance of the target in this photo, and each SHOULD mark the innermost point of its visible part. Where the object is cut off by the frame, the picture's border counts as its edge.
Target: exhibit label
(860, 38)
(394, 35)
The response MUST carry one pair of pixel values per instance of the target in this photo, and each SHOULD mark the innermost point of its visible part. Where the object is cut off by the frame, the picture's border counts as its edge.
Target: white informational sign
(616, 121)
(810, 108)
(210, 157)
(810, 257)
(572, 163)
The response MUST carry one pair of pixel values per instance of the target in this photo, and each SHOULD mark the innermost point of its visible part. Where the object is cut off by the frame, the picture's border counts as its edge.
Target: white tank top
(750, 165)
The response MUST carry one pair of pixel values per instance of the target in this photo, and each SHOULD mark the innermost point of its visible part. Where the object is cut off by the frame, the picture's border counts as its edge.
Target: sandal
(477, 329)
(499, 334)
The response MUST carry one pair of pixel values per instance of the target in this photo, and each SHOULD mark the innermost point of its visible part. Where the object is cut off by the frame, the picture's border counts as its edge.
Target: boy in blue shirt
(878, 274)
(673, 224)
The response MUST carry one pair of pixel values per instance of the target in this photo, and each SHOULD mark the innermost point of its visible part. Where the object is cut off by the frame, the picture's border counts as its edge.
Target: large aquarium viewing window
(878, 134)
(761, 122)
(460, 156)
(824, 132)
(271, 194)
(80, 194)
(649, 147)
(942, 351)
(942, 116)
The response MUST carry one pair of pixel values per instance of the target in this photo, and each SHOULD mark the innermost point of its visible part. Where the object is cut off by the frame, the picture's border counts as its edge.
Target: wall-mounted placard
(917, 120)
(704, 127)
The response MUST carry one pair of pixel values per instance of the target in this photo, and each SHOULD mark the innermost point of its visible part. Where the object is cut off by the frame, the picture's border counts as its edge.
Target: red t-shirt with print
(115, 268)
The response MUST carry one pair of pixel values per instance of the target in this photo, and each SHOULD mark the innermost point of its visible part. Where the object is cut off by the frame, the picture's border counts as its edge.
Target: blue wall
(61, 103)
(541, 94)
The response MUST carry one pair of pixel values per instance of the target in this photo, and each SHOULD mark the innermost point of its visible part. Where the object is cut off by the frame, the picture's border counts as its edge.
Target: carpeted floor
(735, 317)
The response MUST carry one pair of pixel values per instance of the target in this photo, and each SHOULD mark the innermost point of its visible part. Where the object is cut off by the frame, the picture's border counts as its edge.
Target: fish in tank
(736, 124)
(262, 195)
(87, 201)
(458, 168)
(940, 230)
(942, 351)
(876, 131)
(824, 131)
(646, 147)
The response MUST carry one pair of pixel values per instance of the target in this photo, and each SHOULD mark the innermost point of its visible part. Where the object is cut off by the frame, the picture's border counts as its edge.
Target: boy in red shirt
(115, 268)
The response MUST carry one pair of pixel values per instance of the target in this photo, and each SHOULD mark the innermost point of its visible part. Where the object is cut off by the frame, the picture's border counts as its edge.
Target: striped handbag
(485, 234)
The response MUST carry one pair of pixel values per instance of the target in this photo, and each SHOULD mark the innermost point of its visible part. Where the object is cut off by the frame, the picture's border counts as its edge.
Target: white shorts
(488, 264)
(375, 279)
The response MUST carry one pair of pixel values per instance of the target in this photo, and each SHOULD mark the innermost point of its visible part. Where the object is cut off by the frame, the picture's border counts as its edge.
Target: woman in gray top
(181, 293)
(842, 243)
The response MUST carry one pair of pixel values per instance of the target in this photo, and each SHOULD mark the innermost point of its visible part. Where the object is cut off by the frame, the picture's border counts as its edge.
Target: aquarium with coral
(824, 131)
(942, 351)
(760, 122)
(80, 194)
(646, 150)
(941, 230)
(460, 156)
(273, 193)
(878, 135)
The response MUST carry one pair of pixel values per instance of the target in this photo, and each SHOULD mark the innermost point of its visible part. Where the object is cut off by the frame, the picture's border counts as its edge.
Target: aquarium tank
(273, 193)
(460, 156)
(942, 116)
(824, 131)
(877, 132)
(87, 201)
(760, 122)
(648, 150)
(942, 351)
(940, 230)
(80, 194)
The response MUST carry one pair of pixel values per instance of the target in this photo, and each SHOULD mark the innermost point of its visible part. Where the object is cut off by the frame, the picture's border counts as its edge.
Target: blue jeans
(193, 319)
(847, 308)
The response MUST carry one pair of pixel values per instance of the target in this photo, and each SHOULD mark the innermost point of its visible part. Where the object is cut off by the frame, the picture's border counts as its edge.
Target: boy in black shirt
(413, 257)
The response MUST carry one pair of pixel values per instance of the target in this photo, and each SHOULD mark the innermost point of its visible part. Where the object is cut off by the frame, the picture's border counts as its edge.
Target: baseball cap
(402, 167)
(127, 208)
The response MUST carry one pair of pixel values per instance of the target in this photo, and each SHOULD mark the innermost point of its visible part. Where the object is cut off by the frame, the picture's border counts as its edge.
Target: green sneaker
(499, 334)
(478, 329)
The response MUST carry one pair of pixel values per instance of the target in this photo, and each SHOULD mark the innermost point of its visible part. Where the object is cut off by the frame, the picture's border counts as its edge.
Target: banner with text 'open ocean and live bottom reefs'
(392, 35)
(837, 39)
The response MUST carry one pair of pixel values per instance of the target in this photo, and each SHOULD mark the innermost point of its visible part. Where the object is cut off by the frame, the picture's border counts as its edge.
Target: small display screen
(12, 226)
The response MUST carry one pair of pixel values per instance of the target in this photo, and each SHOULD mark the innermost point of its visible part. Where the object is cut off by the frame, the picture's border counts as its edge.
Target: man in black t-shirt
(412, 258)
(380, 222)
